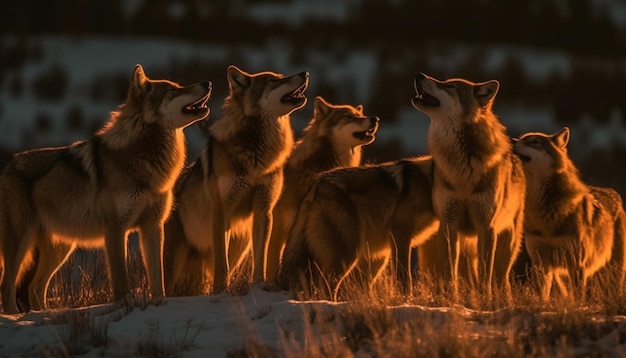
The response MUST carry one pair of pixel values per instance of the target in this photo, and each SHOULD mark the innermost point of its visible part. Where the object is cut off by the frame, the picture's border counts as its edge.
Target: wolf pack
(307, 213)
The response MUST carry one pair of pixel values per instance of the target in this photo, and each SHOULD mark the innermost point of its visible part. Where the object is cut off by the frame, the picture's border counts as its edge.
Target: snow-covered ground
(221, 324)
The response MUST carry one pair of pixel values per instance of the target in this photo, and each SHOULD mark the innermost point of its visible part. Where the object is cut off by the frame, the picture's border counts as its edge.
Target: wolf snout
(208, 85)
(374, 120)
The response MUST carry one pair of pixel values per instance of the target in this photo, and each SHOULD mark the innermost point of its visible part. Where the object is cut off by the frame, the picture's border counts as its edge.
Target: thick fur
(225, 199)
(572, 230)
(478, 185)
(333, 139)
(360, 217)
(92, 193)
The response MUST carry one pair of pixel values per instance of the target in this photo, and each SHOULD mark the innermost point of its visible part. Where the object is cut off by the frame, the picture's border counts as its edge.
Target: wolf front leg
(151, 238)
(262, 227)
(220, 261)
(487, 244)
(265, 199)
(115, 250)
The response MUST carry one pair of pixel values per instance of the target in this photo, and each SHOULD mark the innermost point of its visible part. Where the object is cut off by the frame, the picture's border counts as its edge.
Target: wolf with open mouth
(225, 199)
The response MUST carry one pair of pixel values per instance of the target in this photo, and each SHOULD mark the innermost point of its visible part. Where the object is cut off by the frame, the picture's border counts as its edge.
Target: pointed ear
(138, 80)
(321, 107)
(486, 91)
(237, 79)
(359, 108)
(562, 138)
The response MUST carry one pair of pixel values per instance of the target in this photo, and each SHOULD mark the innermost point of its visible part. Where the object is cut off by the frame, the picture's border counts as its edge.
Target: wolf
(478, 182)
(333, 139)
(225, 199)
(361, 217)
(572, 230)
(93, 193)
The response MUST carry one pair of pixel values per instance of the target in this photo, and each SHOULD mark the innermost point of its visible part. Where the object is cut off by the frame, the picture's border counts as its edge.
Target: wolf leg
(262, 226)
(220, 269)
(275, 248)
(507, 249)
(487, 245)
(238, 248)
(115, 250)
(432, 258)
(401, 261)
(544, 278)
(17, 252)
(450, 236)
(151, 239)
(55, 256)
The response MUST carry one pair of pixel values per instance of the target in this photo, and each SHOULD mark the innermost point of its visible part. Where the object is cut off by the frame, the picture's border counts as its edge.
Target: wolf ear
(562, 138)
(359, 108)
(321, 106)
(138, 80)
(237, 79)
(486, 91)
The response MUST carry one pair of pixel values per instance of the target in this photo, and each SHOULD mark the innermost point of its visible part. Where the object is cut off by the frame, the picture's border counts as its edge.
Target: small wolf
(333, 139)
(92, 193)
(572, 230)
(225, 199)
(361, 217)
(478, 185)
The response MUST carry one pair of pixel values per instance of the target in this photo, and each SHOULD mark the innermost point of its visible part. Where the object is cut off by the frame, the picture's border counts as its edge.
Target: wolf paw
(158, 301)
(271, 287)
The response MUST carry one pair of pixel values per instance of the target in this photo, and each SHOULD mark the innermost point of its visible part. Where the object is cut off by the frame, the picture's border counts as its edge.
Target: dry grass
(377, 321)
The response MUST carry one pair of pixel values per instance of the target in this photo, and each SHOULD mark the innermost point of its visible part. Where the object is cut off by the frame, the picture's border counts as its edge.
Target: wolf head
(167, 102)
(267, 93)
(543, 154)
(454, 99)
(345, 125)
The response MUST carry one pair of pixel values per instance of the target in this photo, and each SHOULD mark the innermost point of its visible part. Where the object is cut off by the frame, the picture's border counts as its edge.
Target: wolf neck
(159, 151)
(261, 142)
(464, 152)
(554, 197)
(319, 154)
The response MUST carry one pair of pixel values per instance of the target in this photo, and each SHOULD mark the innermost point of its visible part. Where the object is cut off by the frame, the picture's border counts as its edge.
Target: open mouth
(367, 134)
(523, 157)
(422, 98)
(297, 96)
(198, 107)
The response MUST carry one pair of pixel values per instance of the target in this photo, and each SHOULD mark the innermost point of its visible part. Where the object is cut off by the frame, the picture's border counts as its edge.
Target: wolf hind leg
(52, 257)
(17, 255)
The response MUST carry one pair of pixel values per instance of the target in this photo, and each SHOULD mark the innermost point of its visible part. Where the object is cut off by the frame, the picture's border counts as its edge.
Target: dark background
(456, 38)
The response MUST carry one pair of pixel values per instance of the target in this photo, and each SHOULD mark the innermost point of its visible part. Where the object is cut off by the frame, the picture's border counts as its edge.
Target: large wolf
(572, 230)
(333, 139)
(225, 199)
(360, 218)
(478, 183)
(92, 193)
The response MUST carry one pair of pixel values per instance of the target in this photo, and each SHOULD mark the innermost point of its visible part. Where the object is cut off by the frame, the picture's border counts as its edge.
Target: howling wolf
(478, 183)
(333, 139)
(92, 193)
(225, 199)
